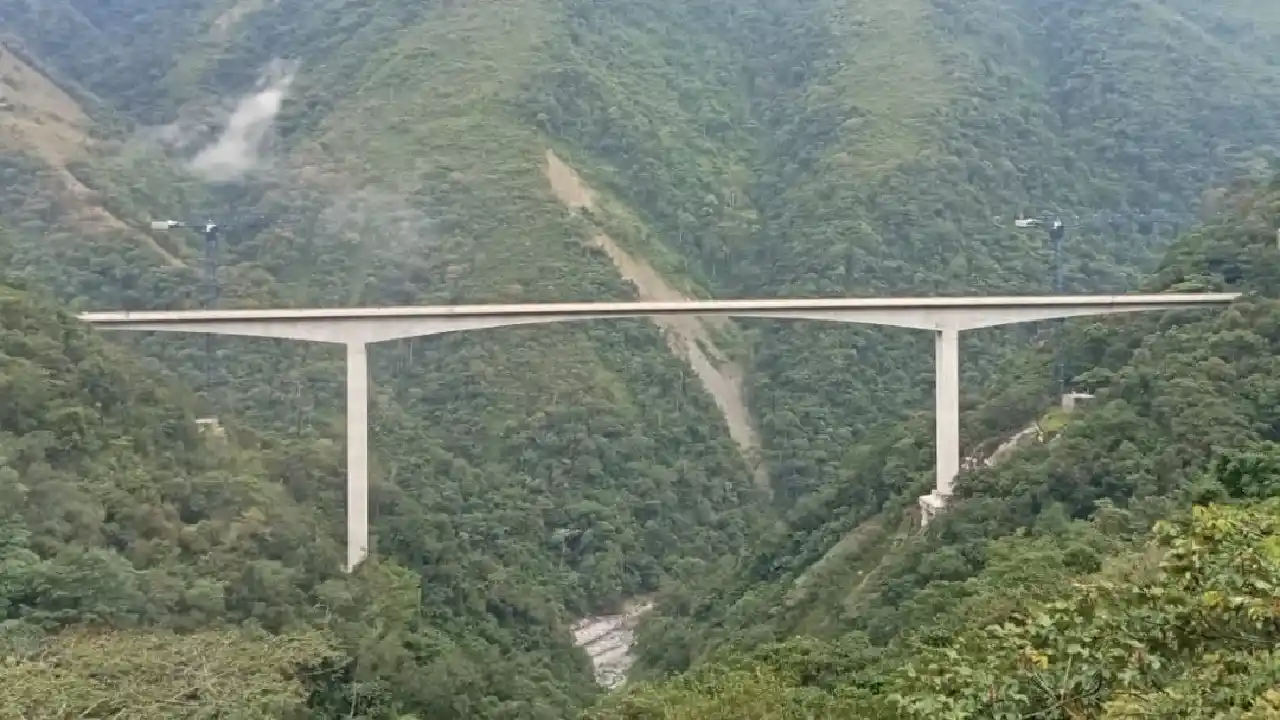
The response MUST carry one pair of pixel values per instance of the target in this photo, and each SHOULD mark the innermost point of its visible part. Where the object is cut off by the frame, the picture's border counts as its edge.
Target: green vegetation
(211, 674)
(585, 431)
(117, 511)
(525, 478)
(1184, 627)
(1037, 593)
(856, 147)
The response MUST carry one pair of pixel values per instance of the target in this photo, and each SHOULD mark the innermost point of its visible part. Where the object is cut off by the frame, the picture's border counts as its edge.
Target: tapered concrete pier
(357, 454)
(946, 390)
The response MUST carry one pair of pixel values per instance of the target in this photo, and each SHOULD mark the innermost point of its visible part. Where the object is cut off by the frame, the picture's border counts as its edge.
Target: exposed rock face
(608, 640)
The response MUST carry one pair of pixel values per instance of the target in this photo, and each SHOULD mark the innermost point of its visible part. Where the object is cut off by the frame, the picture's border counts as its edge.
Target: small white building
(1070, 400)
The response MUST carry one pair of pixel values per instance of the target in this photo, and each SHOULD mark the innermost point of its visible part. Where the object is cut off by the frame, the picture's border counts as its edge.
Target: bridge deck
(606, 309)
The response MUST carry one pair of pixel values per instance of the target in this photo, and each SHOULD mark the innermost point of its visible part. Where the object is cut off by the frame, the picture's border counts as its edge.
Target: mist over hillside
(393, 152)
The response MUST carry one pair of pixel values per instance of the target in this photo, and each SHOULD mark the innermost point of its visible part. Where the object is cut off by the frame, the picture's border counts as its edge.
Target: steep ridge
(688, 338)
(527, 478)
(524, 479)
(115, 499)
(871, 148)
(477, 230)
(40, 118)
(1173, 393)
(1045, 628)
(111, 51)
(142, 542)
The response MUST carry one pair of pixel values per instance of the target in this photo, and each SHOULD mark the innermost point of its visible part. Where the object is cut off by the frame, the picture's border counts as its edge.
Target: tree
(157, 675)
(1121, 647)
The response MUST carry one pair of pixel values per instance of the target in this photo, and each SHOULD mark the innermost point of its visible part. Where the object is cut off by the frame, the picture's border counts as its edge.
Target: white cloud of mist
(381, 221)
(382, 239)
(227, 139)
(239, 150)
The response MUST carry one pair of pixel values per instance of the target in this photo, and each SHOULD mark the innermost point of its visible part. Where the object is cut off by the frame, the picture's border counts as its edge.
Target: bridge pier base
(357, 454)
(931, 506)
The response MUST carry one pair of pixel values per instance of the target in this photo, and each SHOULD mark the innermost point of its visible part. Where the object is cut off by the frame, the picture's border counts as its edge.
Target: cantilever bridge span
(356, 328)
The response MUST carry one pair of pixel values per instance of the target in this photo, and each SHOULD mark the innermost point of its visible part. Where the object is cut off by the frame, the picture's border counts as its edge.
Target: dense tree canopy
(158, 675)
(1044, 553)
(1186, 626)
(117, 511)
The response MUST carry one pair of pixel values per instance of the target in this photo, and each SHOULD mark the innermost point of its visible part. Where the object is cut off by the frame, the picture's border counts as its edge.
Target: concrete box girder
(370, 325)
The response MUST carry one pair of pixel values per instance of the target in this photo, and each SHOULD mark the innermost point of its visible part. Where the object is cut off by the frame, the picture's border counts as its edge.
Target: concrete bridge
(356, 328)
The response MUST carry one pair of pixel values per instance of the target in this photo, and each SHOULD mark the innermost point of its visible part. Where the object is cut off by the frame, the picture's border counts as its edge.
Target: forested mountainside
(884, 148)
(526, 466)
(1044, 592)
(392, 152)
(124, 522)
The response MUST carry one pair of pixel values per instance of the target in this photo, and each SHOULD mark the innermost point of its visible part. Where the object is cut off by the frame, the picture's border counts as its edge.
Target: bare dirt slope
(37, 117)
(237, 12)
(687, 337)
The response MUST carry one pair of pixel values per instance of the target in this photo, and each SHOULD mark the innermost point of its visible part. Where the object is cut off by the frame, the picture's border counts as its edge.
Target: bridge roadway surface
(356, 328)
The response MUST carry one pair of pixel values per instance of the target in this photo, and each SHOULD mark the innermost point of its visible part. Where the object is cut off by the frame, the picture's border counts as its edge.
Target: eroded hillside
(688, 338)
(39, 118)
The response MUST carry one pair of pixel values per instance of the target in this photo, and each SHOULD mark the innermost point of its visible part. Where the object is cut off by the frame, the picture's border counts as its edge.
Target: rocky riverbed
(607, 640)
